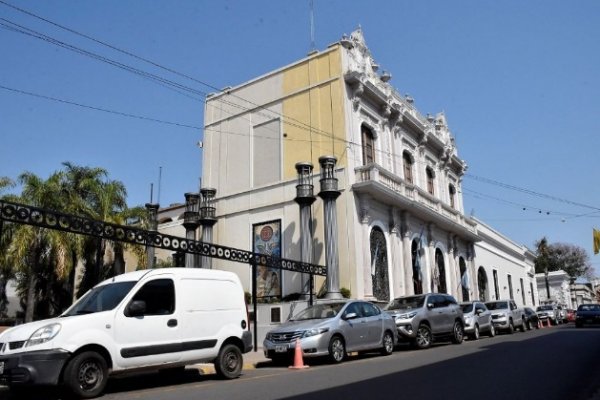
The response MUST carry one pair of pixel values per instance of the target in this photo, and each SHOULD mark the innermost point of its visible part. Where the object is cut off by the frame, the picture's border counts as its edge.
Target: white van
(150, 319)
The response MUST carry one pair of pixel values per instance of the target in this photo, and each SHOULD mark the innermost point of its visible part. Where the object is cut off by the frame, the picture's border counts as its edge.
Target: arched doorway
(440, 274)
(464, 279)
(482, 282)
(379, 265)
(416, 267)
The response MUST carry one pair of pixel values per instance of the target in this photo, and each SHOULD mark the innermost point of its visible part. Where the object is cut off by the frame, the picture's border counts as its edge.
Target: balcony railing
(409, 192)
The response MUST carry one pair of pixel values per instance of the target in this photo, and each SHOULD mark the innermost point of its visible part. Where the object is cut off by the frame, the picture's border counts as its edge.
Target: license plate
(281, 349)
(1, 367)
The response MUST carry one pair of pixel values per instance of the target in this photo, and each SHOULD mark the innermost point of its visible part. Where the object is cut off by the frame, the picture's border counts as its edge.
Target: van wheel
(86, 374)
(511, 327)
(388, 344)
(337, 349)
(492, 331)
(229, 362)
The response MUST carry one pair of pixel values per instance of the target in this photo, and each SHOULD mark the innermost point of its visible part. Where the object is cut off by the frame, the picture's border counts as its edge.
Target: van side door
(146, 328)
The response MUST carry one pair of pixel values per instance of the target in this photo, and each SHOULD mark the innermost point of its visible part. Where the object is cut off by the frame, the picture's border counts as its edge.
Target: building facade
(400, 227)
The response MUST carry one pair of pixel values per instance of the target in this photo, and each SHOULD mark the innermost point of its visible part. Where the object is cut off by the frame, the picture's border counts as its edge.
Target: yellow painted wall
(314, 111)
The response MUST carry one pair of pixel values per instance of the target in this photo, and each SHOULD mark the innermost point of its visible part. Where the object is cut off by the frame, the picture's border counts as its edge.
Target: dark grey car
(421, 318)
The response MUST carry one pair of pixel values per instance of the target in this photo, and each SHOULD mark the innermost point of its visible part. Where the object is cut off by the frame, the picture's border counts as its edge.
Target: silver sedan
(333, 329)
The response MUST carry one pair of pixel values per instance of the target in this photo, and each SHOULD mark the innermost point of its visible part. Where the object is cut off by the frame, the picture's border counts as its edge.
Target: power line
(306, 126)
(528, 191)
(99, 109)
(171, 84)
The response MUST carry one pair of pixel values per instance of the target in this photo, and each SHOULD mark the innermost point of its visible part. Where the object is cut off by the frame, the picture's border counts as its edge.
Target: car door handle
(172, 322)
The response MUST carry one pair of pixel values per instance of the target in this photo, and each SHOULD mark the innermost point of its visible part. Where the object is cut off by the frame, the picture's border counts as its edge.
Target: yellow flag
(596, 241)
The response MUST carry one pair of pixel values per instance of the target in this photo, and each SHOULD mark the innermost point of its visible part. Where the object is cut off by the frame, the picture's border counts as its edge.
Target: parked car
(549, 312)
(157, 319)
(506, 315)
(571, 315)
(478, 319)
(531, 318)
(587, 314)
(333, 328)
(422, 318)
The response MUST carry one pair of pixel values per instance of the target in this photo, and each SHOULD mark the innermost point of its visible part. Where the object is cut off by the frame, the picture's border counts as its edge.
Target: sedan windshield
(497, 305)
(406, 303)
(544, 308)
(319, 311)
(101, 298)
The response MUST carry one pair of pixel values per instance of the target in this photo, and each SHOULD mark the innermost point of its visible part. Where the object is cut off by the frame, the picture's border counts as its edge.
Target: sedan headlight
(314, 331)
(43, 335)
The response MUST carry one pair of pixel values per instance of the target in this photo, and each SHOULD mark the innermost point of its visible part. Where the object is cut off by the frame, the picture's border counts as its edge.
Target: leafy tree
(6, 271)
(570, 258)
(39, 256)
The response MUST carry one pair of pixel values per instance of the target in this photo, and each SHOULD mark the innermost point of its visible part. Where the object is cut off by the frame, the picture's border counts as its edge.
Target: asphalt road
(553, 363)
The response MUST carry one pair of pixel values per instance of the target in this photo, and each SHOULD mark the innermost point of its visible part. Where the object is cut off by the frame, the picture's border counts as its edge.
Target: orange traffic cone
(298, 363)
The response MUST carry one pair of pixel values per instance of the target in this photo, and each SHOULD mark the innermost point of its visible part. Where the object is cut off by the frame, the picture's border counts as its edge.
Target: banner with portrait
(267, 240)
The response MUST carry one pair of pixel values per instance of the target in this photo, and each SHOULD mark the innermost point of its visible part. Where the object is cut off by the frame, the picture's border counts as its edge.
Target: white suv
(421, 318)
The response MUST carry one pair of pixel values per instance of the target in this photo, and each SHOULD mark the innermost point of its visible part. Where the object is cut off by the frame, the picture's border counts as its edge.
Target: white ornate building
(401, 227)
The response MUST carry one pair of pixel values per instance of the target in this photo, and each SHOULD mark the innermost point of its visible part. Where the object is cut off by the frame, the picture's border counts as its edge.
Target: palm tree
(39, 252)
(107, 204)
(6, 270)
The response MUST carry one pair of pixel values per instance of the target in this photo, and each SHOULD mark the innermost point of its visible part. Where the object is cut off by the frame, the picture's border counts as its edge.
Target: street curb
(209, 369)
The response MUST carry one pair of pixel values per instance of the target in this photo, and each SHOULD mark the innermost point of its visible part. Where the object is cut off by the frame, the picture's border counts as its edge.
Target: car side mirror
(478, 312)
(136, 308)
(350, 316)
(430, 305)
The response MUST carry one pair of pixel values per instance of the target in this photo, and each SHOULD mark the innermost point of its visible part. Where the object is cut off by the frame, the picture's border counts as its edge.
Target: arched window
(416, 264)
(368, 145)
(452, 194)
(440, 272)
(379, 265)
(430, 179)
(482, 283)
(408, 164)
(464, 279)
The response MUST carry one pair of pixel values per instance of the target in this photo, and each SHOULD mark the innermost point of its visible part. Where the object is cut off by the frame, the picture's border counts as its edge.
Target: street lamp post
(153, 227)
(305, 198)
(207, 219)
(190, 223)
(329, 193)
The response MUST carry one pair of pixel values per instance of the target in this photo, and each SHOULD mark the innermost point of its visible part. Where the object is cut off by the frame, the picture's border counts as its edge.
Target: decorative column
(207, 220)
(305, 198)
(190, 223)
(396, 253)
(409, 287)
(329, 193)
(472, 268)
(152, 227)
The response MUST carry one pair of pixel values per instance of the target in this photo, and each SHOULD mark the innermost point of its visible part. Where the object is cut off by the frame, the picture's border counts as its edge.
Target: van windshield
(101, 298)
(406, 303)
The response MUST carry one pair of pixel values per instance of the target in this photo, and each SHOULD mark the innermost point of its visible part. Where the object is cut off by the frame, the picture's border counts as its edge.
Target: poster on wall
(267, 240)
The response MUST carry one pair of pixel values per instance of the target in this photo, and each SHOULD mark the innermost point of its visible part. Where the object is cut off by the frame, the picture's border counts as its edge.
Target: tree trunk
(30, 305)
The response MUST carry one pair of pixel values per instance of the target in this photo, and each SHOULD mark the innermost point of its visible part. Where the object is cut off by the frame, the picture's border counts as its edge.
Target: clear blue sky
(519, 82)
